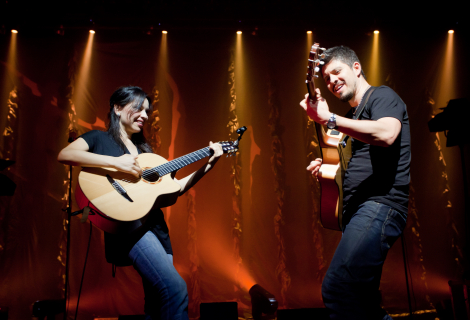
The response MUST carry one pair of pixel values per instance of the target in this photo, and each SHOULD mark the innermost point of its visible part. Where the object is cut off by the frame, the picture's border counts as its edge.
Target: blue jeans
(350, 288)
(166, 295)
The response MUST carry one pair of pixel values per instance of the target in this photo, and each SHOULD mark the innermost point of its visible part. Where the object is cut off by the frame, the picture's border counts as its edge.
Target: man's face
(340, 79)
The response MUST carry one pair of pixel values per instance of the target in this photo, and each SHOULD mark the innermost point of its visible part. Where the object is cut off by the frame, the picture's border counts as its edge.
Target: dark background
(194, 109)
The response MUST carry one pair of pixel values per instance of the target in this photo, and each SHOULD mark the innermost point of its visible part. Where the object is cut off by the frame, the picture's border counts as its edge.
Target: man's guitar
(334, 151)
(118, 202)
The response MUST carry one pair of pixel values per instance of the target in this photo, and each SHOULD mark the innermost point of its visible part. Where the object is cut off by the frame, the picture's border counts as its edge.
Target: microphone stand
(72, 137)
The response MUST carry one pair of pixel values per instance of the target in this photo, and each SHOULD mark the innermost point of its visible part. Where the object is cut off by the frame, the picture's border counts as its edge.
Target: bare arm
(190, 180)
(77, 154)
(382, 132)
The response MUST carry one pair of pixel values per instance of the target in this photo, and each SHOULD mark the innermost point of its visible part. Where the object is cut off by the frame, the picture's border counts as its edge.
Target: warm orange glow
(219, 259)
(14, 31)
(376, 32)
(451, 31)
(92, 31)
(373, 73)
(445, 89)
(83, 74)
(240, 80)
(309, 32)
(164, 31)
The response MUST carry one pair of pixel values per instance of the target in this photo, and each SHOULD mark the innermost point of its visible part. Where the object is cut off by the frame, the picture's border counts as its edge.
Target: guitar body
(120, 202)
(115, 213)
(335, 151)
(331, 174)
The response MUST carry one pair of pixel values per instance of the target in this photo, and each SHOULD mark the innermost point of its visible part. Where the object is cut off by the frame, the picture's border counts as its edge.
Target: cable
(83, 273)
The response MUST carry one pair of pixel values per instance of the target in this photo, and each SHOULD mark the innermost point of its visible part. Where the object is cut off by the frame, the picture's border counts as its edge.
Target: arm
(381, 132)
(77, 154)
(189, 181)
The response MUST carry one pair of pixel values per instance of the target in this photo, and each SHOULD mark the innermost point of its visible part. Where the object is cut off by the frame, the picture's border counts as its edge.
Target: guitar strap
(345, 154)
(359, 112)
(355, 116)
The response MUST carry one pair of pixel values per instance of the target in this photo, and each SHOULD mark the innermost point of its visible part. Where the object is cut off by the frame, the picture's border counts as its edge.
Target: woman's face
(132, 120)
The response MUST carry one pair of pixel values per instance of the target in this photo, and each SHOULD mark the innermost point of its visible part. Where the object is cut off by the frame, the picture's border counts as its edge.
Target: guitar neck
(311, 89)
(181, 162)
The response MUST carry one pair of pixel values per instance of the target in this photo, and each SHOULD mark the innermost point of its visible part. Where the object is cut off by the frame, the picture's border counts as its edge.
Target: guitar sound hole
(150, 176)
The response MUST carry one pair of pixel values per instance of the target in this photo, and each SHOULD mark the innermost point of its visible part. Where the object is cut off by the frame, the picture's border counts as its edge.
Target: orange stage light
(376, 31)
(239, 32)
(164, 31)
(14, 31)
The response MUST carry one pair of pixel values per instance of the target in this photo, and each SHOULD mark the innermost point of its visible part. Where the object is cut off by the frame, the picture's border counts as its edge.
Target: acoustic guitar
(334, 151)
(118, 202)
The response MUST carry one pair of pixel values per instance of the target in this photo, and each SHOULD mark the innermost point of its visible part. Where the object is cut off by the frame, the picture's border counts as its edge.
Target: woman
(149, 248)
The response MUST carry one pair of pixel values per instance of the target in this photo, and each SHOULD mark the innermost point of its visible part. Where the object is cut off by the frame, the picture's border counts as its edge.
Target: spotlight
(376, 31)
(92, 31)
(451, 31)
(164, 31)
(14, 31)
(262, 302)
(309, 32)
(239, 32)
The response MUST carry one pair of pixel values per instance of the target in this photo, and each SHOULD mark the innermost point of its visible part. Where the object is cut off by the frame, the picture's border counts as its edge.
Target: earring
(118, 114)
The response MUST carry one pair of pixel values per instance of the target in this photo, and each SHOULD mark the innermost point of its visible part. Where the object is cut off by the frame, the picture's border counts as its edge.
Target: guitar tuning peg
(322, 62)
(317, 69)
(316, 76)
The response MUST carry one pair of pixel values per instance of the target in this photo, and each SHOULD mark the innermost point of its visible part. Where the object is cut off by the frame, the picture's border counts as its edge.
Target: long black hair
(122, 97)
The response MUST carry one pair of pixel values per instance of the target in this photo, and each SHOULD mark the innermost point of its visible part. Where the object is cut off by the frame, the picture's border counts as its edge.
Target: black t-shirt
(378, 173)
(117, 246)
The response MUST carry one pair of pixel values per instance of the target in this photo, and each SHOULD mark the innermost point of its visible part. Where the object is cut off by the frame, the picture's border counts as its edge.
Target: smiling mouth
(338, 87)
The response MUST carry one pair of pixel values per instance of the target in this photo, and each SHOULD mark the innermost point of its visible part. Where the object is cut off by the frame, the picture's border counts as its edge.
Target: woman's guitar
(334, 151)
(118, 202)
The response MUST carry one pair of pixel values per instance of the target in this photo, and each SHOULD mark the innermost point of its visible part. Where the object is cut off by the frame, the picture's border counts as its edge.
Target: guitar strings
(179, 163)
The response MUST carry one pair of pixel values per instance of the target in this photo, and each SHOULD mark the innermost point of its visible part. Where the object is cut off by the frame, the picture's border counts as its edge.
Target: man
(375, 187)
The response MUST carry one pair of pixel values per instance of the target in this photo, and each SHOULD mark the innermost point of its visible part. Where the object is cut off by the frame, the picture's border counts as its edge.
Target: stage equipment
(262, 302)
(7, 186)
(457, 109)
(219, 310)
(48, 308)
(305, 313)
(459, 299)
(3, 313)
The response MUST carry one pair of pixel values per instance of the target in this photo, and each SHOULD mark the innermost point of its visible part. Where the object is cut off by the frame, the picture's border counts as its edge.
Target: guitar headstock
(231, 147)
(315, 59)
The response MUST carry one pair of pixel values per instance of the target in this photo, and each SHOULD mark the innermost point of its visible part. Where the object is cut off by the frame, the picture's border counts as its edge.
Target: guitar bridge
(120, 189)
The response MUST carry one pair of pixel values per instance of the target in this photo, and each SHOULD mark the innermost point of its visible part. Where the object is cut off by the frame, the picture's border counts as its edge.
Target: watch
(331, 124)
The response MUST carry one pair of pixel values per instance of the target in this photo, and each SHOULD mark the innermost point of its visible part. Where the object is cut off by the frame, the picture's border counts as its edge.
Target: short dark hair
(122, 97)
(344, 54)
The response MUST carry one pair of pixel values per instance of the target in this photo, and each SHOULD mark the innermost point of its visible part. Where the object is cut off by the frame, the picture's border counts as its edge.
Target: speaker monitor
(304, 314)
(219, 310)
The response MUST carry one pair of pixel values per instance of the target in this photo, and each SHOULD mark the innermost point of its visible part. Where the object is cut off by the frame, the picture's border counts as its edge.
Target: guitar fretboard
(178, 163)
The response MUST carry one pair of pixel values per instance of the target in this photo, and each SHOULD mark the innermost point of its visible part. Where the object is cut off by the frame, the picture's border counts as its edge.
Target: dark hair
(344, 54)
(122, 97)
